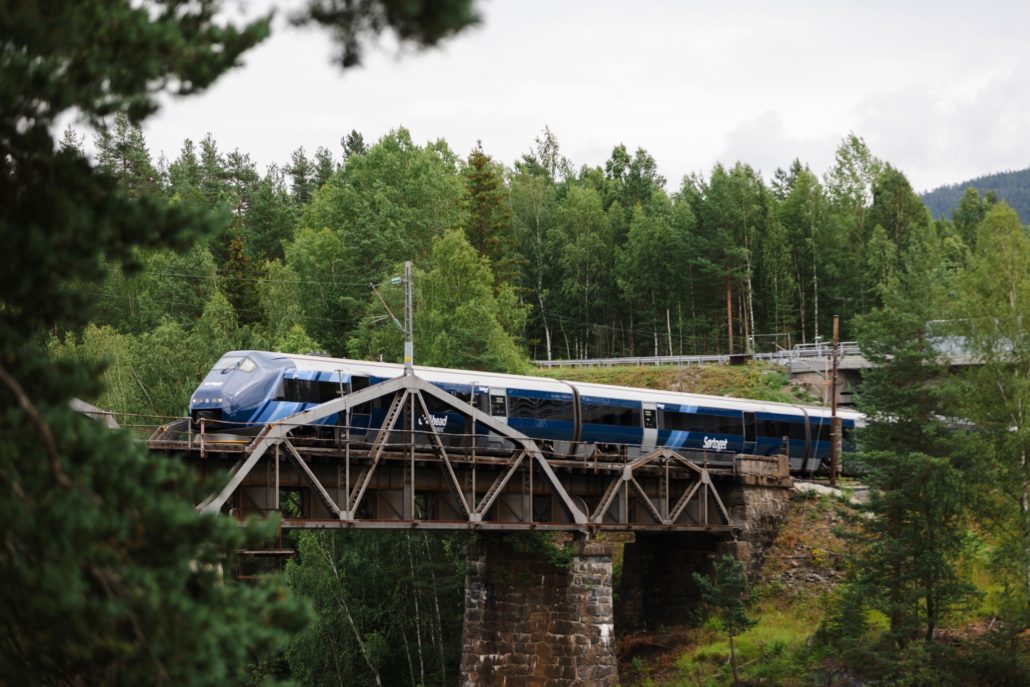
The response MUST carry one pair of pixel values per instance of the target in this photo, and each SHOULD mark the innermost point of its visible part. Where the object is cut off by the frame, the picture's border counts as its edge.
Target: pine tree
(726, 593)
(107, 574)
(489, 224)
(240, 278)
(322, 169)
(300, 177)
(122, 152)
(915, 532)
(185, 175)
(353, 144)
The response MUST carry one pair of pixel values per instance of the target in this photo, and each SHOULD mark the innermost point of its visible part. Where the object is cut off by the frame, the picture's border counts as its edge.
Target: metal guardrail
(784, 357)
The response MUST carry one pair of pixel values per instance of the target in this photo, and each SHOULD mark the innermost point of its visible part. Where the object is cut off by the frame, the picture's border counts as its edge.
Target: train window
(778, 429)
(231, 363)
(462, 393)
(309, 390)
(620, 416)
(650, 418)
(357, 384)
(540, 408)
(498, 407)
(700, 422)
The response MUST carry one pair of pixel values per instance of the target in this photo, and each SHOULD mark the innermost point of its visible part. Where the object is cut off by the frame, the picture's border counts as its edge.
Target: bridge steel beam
(422, 480)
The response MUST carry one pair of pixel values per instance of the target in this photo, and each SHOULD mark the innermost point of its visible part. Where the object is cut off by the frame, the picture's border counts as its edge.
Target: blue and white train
(247, 389)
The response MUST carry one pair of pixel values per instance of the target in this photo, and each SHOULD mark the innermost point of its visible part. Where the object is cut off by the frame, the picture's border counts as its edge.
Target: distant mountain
(1012, 187)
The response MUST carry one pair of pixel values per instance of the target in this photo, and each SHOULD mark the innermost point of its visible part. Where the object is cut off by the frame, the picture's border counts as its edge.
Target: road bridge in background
(807, 364)
(804, 356)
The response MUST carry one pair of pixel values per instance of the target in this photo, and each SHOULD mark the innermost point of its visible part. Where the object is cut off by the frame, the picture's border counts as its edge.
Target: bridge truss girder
(421, 481)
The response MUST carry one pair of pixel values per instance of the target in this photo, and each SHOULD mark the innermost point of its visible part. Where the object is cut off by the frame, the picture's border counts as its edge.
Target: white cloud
(936, 88)
(765, 144)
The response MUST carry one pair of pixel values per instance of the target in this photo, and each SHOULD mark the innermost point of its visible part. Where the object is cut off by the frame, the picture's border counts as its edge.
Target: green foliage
(108, 573)
(383, 207)
(296, 340)
(389, 607)
(648, 269)
(582, 241)
(419, 22)
(315, 280)
(122, 153)
(726, 594)
(461, 324)
(992, 312)
(458, 318)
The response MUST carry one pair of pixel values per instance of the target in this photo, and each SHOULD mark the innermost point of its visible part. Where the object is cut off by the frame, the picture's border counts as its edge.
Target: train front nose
(208, 406)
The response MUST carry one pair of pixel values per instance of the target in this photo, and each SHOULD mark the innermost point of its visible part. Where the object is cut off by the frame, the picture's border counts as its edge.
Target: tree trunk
(749, 341)
(815, 301)
(418, 615)
(733, 662)
(565, 335)
(668, 327)
(350, 619)
(407, 655)
(729, 314)
(1024, 507)
(436, 610)
(746, 321)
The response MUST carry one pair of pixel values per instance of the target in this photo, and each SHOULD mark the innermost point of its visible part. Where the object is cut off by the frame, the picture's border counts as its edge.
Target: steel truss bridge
(407, 474)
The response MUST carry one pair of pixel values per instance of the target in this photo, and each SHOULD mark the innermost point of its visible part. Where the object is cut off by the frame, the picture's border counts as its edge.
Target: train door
(750, 434)
(650, 438)
(493, 402)
(499, 404)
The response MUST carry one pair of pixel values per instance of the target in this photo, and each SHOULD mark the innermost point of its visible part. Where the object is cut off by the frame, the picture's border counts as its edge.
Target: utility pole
(834, 420)
(409, 346)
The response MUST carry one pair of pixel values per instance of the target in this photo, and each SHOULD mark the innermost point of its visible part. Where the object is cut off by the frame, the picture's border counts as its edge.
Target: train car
(247, 389)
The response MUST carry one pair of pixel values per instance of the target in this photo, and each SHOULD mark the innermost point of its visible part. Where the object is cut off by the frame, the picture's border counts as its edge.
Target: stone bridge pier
(534, 617)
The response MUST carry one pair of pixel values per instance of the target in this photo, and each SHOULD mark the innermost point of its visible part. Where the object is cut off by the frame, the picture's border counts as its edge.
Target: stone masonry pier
(533, 620)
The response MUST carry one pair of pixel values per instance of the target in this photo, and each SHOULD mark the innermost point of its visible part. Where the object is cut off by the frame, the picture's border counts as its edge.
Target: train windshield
(235, 362)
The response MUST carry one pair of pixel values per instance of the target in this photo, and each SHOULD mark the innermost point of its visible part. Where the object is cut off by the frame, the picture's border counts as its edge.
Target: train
(246, 390)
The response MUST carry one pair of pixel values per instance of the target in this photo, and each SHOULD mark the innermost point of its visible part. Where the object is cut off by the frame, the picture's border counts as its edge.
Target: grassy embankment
(755, 381)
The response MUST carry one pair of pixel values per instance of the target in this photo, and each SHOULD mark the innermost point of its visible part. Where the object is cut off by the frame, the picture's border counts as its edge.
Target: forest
(540, 260)
(1012, 187)
(124, 278)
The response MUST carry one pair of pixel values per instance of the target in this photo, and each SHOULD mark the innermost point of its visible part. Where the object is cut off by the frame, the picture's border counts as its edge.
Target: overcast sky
(939, 89)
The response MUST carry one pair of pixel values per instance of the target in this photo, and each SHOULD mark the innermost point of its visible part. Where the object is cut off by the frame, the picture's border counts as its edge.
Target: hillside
(753, 381)
(1012, 187)
(800, 571)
